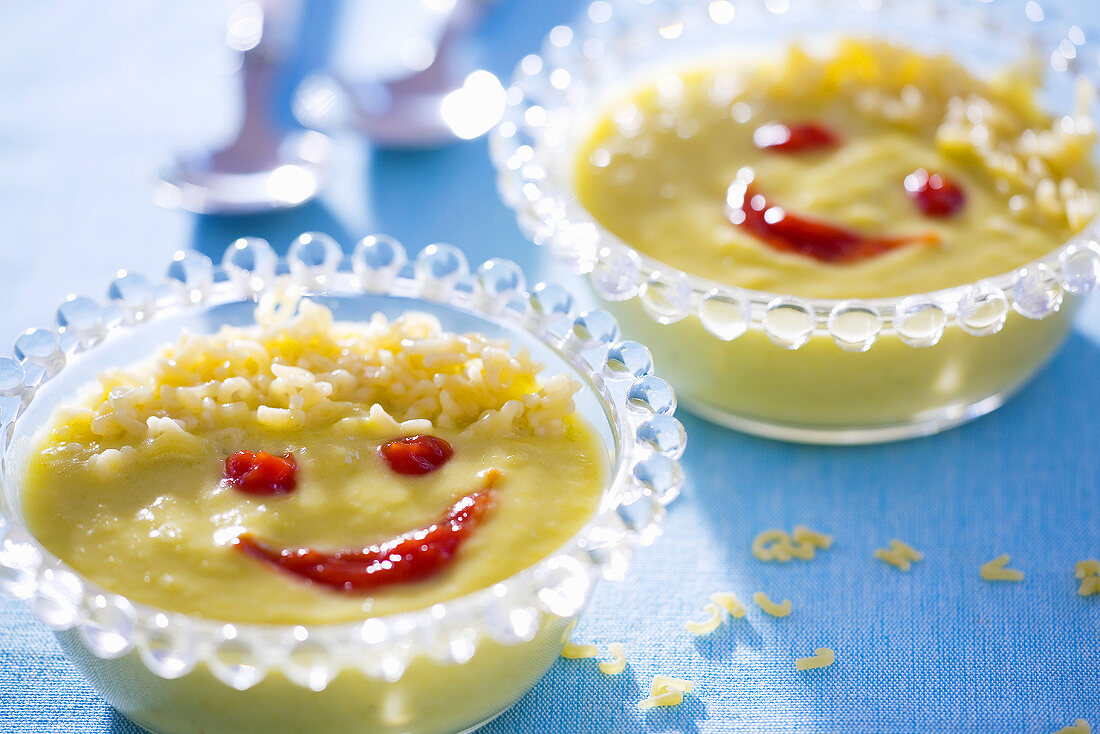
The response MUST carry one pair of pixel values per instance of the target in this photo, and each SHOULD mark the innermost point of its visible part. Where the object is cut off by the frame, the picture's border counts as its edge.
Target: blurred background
(131, 130)
(100, 103)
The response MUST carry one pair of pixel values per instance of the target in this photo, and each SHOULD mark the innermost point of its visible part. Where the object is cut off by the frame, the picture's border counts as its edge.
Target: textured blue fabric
(93, 96)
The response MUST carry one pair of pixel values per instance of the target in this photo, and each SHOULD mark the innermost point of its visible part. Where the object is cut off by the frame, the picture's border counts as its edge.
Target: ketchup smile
(773, 225)
(259, 473)
(416, 454)
(800, 138)
(411, 556)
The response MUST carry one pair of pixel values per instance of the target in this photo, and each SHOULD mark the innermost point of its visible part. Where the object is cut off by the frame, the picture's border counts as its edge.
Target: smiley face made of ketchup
(411, 556)
(932, 193)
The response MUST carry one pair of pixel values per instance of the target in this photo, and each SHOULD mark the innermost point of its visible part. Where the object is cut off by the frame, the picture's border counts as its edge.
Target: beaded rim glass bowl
(644, 440)
(580, 68)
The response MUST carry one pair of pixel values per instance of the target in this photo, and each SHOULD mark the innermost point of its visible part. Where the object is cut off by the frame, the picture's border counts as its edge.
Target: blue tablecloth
(93, 96)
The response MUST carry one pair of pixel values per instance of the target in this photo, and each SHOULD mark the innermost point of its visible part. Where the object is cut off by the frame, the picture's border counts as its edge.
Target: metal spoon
(266, 167)
(437, 105)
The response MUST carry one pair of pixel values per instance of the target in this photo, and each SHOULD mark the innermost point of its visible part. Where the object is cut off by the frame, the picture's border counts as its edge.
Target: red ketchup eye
(260, 473)
(800, 138)
(416, 454)
(411, 556)
(934, 194)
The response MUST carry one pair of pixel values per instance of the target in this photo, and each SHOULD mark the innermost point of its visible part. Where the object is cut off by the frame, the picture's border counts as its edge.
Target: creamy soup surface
(416, 464)
(869, 170)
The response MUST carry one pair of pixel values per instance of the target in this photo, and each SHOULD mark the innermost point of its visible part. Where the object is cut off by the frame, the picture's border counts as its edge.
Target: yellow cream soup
(656, 168)
(139, 506)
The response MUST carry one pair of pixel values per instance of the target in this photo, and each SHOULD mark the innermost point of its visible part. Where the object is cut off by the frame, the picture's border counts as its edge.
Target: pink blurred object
(266, 166)
(446, 101)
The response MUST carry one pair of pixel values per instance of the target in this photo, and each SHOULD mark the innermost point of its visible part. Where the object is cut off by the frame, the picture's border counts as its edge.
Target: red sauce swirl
(259, 473)
(750, 210)
(803, 137)
(416, 454)
(411, 556)
(934, 194)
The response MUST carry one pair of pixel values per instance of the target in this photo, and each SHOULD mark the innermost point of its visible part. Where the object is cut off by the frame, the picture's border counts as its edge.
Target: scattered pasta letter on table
(708, 625)
(617, 663)
(900, 555)
(776, 610)
(665, 691)
(996, 570)
(823, 657)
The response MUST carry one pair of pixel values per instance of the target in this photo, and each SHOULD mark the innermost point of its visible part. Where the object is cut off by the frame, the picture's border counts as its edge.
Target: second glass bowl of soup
(145, 588)
(830, 222)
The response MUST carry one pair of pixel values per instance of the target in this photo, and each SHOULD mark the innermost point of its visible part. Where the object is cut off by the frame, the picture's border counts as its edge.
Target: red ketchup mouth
(776, 227)
(412, 556)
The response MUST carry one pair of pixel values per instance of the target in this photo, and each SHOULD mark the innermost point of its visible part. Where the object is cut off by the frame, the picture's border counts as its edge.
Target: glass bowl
(447, 668)
(803, 369)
